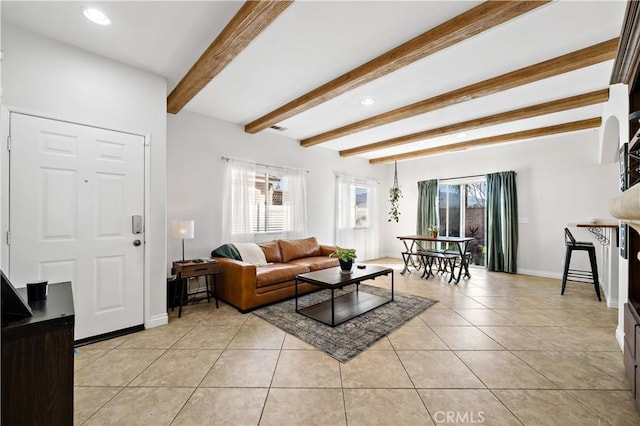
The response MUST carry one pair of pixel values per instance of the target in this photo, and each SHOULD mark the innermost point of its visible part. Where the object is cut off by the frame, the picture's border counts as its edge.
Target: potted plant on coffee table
(345, 257)
(434, 231)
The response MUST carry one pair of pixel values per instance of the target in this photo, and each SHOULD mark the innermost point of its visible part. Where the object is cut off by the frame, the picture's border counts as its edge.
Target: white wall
(1, 54)
(559, 181)
(616, 111)
(55, 80)
(195, 171)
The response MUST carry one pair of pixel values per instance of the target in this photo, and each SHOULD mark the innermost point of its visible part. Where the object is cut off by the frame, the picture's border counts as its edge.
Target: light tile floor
(497, 349)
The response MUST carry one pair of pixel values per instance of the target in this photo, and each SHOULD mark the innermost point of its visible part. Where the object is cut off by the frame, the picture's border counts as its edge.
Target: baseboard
(107, 336)
(620, 337)
(611, 303)
(390, 255)
(538, 273)
(157, 320)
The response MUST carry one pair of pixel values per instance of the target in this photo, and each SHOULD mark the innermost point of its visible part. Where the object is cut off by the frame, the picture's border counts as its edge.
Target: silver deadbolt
(136, 243)
(136, 224)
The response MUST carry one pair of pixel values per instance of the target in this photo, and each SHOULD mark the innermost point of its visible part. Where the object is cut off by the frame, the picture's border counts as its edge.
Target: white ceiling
(312, 42)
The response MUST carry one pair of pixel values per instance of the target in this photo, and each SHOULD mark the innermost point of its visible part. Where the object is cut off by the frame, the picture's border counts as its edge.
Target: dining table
(415, 245)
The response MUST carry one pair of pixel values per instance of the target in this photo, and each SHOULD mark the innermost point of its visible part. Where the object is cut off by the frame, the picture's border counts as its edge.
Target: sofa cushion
(315, 263)
(295, 249)
(278, 272)
(271, 251)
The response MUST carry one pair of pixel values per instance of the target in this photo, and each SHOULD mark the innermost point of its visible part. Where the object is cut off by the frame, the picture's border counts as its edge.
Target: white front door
(73, 191)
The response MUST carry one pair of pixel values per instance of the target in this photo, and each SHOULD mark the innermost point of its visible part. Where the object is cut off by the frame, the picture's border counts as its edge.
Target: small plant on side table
(434, 231)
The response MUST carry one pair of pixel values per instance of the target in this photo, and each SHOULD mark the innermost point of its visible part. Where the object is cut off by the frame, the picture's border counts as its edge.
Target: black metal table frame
(333, 287)
(445, 259)
(461, 242)
(184, 290)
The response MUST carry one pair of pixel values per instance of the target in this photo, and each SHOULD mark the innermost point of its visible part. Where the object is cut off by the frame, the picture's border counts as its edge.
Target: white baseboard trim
(538, 273)
(392, 255)
(620, 337)
(157, 321)
(611, 303)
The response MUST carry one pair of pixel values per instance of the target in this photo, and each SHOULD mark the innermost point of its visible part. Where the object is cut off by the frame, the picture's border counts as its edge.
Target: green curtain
(427, 206)
(510, 227)
(495, 260)
(502, 222)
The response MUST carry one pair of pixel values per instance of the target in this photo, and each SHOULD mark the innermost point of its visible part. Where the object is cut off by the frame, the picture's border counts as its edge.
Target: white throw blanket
(251, 253)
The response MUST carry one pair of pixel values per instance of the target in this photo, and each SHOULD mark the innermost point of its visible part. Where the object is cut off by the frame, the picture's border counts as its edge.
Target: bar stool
(576, 274)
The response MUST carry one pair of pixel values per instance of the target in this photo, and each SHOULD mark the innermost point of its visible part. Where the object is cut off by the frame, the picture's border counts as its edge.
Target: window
(264, 200)
(269, 212)
(361, 207)
(449, 202)
(462, 209)
(356, 222)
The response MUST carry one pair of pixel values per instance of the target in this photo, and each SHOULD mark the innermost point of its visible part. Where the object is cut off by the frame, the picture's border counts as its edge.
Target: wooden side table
(185, 270)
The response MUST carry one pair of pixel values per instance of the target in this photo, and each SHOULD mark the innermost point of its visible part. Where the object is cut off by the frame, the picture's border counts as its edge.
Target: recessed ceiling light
(367, 101)
(96, 16)
(462, 135)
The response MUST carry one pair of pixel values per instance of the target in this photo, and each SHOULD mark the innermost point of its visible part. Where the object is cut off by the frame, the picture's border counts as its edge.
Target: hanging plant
(394, 197)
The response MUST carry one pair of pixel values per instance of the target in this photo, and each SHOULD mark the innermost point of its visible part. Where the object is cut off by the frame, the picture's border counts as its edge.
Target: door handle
(136, 243)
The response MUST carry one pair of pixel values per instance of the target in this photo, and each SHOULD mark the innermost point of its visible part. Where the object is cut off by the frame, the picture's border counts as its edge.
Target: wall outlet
(523, 220)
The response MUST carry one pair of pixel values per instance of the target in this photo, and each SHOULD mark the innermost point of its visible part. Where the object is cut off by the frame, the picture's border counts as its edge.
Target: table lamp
(182, 230)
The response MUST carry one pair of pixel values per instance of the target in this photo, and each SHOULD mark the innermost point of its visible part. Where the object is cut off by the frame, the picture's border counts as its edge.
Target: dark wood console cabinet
(37, 362)
(631, 347)
(626, 70)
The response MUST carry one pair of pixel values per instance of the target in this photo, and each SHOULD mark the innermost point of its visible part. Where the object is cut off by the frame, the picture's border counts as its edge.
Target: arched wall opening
(610, 141)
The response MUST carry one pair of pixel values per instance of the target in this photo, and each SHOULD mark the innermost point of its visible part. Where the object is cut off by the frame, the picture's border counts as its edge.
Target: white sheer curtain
(240, 209)
(371, 243)
(239, 196)
(350, 234)
(295, 199)
(345, 200)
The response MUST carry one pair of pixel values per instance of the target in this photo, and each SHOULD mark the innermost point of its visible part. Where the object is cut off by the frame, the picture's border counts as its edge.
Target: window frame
(266, 227)
(463, 201)
(355, 186)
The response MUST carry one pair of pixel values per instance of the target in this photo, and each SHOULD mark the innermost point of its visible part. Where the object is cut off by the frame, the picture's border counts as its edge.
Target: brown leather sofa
(248, 286)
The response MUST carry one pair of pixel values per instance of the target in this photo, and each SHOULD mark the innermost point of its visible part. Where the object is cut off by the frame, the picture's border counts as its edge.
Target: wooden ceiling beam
(578, 101)
(574, 126)
(481, 18)
(570, 62)
(252, 18)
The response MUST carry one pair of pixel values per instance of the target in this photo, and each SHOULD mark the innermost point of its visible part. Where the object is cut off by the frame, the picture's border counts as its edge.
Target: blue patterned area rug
(348, 339)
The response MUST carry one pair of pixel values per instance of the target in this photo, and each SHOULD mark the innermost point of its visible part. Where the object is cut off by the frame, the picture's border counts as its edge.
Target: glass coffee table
(337, 310)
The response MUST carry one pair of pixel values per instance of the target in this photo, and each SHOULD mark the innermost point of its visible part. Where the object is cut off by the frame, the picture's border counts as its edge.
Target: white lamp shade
(182, 229)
